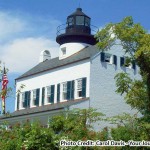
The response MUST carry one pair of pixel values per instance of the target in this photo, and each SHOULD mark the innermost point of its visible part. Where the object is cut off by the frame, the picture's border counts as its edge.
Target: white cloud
(22, 39)
(22, 54)
(10, 25)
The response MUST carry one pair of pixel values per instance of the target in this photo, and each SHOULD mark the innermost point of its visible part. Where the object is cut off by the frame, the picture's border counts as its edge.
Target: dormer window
(63, 51)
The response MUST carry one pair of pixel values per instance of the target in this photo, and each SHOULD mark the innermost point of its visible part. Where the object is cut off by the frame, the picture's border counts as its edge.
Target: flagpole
(4, 89)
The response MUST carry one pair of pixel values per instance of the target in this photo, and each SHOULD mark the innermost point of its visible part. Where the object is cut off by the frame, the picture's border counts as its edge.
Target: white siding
(55, 76)
(102, 84)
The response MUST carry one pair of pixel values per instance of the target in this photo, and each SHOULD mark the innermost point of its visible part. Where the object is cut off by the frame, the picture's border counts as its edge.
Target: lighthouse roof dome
(78, 12)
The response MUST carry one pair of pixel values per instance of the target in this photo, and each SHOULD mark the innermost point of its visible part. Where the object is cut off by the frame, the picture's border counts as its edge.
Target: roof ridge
(81, 55)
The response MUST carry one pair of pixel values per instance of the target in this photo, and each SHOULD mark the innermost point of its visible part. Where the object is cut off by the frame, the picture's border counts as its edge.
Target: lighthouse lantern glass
(70, 21)
(87, 21)
(79, 20)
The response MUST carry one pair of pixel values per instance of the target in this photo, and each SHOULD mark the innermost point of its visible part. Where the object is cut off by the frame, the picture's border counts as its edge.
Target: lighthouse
(80, 77)
(75, 35)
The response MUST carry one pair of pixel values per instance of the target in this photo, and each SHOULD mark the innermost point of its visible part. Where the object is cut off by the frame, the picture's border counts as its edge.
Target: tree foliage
(73, 125)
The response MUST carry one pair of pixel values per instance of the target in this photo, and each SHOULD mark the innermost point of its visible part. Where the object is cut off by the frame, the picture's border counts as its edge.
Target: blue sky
(29, 26)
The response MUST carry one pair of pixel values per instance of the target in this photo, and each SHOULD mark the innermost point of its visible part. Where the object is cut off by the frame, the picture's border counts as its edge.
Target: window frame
(23, 99)
(78, 20)
(64, 90)
(79, 89)
(87, 21)
(70, 21)
(112, 58)
(34, 97)
(123, 63)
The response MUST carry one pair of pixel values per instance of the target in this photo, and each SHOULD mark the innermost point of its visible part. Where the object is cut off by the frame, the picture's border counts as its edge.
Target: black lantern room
(78, 29)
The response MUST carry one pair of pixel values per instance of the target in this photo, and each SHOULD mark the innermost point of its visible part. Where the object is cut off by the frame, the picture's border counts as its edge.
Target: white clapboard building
(80, 77)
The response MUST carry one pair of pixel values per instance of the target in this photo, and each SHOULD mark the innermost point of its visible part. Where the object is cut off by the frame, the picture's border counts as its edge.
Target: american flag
(4, 89)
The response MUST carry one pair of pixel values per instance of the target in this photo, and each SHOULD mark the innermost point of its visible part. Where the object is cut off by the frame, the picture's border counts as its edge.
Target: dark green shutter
(25, 100)
(52, 94)
(18, 101)
(23, 96)
(83, 87)
(28, 98)
(68, 90)
(133, 65)
(102, 56)
(122, 61)
(43, 95)
(37, 97)
(58, 92)
(115, 59)
(72, 89)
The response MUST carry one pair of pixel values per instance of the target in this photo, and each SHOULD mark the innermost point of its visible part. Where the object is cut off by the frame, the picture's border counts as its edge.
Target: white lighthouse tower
(77, 34)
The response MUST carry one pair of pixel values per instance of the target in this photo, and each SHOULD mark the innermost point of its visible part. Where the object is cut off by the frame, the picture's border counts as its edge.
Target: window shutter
(134, 65)
(25, 100)
(83, 87)
(28, 98)
(37, 97)
(102, 56)
(72, 89)
(68, 90)
(43, 95)
(52, 94)
(122, 61)
(58, 92)
(115, 59)
(18, 101)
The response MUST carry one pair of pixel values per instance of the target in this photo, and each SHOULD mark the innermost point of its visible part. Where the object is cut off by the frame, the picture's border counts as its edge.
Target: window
(109, 58)
(26, 99)
(67, 91)
(64, 91)
(63, 51)
(70, 21)
(36, 96)
(79, 20)
(81, 87)
(50, 94)
(87, 21)
(125, 62)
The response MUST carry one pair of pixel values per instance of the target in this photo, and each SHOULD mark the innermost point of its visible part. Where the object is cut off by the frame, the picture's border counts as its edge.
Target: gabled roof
(45, 108)
(85, 53)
